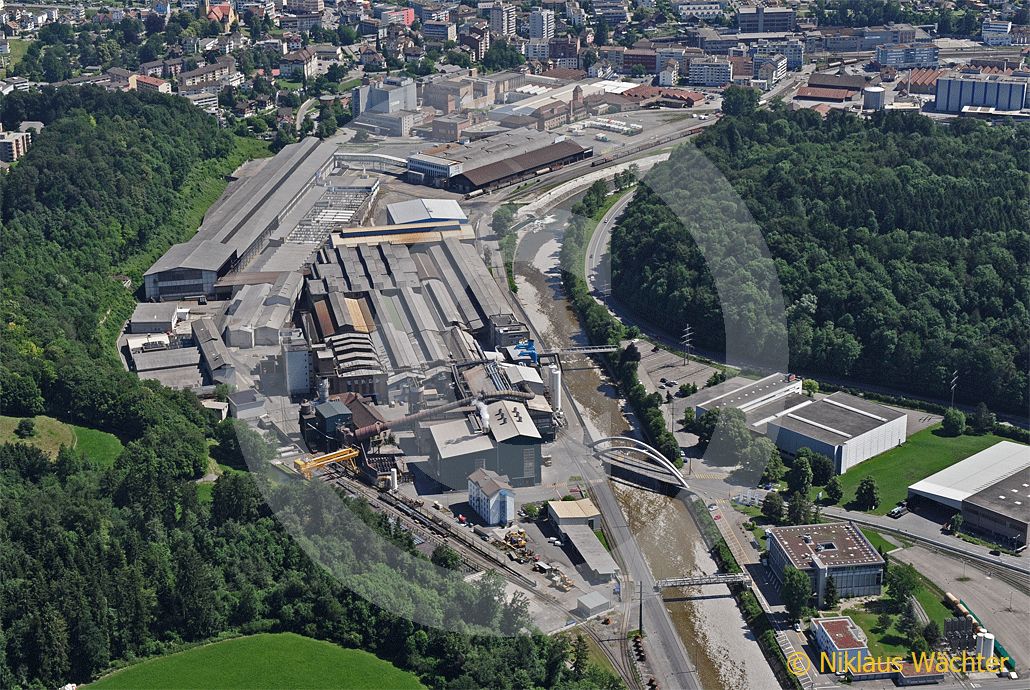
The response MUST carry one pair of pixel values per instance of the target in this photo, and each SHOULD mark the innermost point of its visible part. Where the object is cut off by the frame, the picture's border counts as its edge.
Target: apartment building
(712, 71)
(541, 24)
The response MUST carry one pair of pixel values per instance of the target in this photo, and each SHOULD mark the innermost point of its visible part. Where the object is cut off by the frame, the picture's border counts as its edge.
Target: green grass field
(889, 642)
(49, 435)
(877, 540)
(923, 454)
(99, 446)
(263, 661)
(19, 47)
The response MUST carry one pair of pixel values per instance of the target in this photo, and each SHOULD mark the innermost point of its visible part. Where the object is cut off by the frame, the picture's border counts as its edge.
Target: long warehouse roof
(955, 484)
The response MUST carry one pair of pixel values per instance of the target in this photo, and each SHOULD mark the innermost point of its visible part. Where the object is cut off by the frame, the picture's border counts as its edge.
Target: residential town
(285, 69)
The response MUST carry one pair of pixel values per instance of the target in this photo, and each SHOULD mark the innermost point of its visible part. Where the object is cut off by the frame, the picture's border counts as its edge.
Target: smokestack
(484, 415)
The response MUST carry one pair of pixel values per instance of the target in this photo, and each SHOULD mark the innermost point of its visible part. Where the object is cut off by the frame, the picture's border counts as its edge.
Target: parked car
(897, 512)
(797, 626)
(663, 380)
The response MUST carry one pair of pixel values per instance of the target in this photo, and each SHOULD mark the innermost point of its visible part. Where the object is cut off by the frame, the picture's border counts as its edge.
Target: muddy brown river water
(708, 621)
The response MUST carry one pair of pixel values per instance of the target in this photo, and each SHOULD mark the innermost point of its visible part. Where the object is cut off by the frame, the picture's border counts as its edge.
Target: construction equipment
(345, 455)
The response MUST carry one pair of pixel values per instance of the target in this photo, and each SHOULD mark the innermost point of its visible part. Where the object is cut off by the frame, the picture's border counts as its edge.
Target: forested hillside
(901, 246)
(101, 565)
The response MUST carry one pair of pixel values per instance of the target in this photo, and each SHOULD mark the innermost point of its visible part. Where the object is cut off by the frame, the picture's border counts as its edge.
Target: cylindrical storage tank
(554, 384)
(874, 98)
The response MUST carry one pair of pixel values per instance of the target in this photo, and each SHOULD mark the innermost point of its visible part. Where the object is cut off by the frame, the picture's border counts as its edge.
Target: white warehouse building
(848, 429)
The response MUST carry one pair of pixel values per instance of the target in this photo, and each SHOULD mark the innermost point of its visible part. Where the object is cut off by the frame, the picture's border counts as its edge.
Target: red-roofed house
(148, 83)
(841, 639)
(224, 14)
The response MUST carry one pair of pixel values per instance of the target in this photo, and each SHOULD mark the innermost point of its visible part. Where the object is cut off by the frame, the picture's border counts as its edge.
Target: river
(708, 621)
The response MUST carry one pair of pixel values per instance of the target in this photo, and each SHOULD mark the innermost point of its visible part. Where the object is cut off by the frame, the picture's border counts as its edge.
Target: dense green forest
(104, 565)
(901, 246)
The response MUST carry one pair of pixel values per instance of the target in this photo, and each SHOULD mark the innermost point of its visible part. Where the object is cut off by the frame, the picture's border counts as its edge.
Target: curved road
(598, 260)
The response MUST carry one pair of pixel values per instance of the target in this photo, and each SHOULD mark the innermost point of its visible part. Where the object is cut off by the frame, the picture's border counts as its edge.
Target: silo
(985, 645)
(554, 384)
(874, 98)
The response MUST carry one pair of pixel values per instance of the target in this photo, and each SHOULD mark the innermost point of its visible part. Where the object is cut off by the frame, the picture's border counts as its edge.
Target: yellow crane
(307, 467)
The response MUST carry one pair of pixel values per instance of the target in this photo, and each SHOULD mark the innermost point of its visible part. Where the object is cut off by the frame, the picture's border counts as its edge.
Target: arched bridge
(611, 446)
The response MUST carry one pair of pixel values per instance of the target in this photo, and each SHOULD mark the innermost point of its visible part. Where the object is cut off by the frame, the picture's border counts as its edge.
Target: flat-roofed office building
(834, 549)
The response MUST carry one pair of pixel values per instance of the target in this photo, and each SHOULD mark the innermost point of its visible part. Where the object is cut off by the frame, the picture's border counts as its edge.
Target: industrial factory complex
(386, 354)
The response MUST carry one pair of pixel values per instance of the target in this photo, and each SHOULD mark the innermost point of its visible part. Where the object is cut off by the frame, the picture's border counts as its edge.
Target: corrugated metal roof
(533, 160)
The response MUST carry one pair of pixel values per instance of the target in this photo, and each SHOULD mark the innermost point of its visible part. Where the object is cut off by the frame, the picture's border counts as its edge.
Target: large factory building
(991, 489)
(494, 161)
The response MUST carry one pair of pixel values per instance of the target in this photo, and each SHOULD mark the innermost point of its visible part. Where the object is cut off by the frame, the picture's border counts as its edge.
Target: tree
(884, 620)
(446, 557)
(580, 656)
(336, 73)
(932, 633)
(822, 469)
(772, 506)
(715, 379)
(834, 490)
(739, 100)
(902, 581)
(25, 429)
(502, 220)
(706, 424)
(799, 512)
(830, 596)
(956, 522)
(532, 510)
(689, 419)
(983, 420)
(797, 591)
(235, 496)
(810, 386)
(774, 468)
(867, 494)
(954, 422)
(907, 621)
(501, 55)
(799, 478)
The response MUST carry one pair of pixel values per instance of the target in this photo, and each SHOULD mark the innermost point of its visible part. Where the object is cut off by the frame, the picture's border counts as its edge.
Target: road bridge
(612, 446)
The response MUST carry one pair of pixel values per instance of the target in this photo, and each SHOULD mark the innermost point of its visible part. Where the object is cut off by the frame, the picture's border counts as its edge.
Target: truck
(601, 137)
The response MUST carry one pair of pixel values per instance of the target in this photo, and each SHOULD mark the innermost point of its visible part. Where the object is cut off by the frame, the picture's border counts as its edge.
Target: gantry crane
(308, 467)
